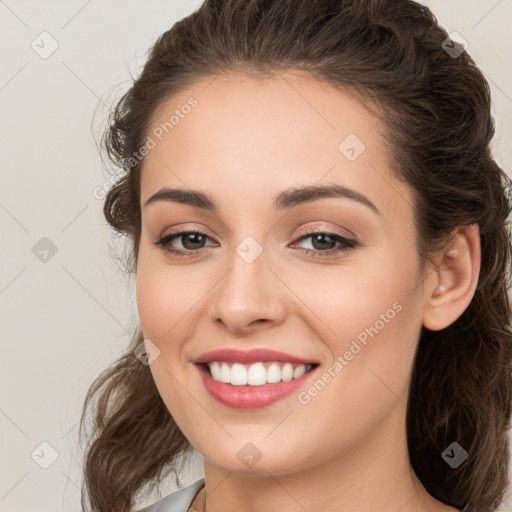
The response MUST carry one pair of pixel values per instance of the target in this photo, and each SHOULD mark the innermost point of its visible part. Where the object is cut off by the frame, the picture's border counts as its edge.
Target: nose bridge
(249, 291)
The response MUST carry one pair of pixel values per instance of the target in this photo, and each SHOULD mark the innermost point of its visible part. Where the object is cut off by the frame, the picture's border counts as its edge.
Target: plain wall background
(66, 319)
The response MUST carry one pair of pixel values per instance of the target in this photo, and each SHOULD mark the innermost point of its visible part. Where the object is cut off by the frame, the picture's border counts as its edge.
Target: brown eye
(323, 243)
(191, 241)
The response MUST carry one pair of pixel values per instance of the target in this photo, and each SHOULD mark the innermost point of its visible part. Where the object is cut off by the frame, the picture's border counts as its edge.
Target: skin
(246, 141)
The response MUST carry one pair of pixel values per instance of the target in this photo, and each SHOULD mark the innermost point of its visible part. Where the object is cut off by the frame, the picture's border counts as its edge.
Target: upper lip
(250, 356)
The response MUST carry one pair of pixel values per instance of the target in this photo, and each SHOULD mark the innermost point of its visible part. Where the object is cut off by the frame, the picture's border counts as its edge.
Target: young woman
(319, 235)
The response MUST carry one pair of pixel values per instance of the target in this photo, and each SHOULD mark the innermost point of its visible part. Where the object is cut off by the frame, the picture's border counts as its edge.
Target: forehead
(291, 106)
(249, 133)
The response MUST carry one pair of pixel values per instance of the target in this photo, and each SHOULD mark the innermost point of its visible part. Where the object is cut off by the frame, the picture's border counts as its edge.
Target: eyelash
(164, 241)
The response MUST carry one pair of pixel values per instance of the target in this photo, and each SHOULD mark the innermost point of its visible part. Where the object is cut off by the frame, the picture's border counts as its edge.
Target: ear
(453, 282)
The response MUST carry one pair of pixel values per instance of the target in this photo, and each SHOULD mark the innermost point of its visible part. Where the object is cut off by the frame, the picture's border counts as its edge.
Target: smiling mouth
(255, 374)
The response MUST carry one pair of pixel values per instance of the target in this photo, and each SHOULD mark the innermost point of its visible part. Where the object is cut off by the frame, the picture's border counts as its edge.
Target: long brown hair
(434, 108)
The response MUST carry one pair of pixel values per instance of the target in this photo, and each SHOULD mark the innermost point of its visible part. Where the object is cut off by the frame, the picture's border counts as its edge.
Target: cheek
(369, 375)
(360, 297)
(378, 329)
(178, 402)
(153, 299)
(373, 317)
(165, 295)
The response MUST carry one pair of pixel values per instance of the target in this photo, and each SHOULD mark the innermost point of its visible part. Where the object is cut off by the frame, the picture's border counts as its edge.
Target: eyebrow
(286, 199)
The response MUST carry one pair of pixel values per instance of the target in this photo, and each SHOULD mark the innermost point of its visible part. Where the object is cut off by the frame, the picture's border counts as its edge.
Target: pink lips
(252, 356)
(250, 397)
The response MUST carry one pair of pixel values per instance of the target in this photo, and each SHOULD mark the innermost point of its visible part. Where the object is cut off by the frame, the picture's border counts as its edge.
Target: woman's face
(349, 299)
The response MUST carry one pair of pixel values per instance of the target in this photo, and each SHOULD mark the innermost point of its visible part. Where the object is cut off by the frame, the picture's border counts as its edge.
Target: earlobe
(452, 284)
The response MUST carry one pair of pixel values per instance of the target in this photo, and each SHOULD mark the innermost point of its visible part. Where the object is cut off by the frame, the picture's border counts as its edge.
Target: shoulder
(178, 501)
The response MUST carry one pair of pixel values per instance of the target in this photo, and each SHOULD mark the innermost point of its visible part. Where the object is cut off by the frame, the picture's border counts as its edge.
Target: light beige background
(66, 319)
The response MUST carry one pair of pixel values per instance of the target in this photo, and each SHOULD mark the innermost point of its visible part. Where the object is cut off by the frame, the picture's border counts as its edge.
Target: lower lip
(251, 397)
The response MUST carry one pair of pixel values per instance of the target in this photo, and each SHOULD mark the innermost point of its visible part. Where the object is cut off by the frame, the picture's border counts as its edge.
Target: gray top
(178, 501)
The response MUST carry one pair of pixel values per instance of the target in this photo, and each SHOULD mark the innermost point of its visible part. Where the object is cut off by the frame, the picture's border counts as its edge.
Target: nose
(249, 297)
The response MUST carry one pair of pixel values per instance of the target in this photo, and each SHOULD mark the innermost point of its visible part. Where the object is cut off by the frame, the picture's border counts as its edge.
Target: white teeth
(255, 374)
(215, 370)
(238, 375)
(299, 371)
(225, 373)
(273, 373)
(287, 372)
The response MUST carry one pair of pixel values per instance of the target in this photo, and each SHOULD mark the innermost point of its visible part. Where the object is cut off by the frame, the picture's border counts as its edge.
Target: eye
(323, 243)
(192, 243)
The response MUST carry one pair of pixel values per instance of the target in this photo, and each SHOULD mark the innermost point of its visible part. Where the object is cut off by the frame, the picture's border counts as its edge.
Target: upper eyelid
(340, 231)
(309, 230)
(320, 230)
(299, 236)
